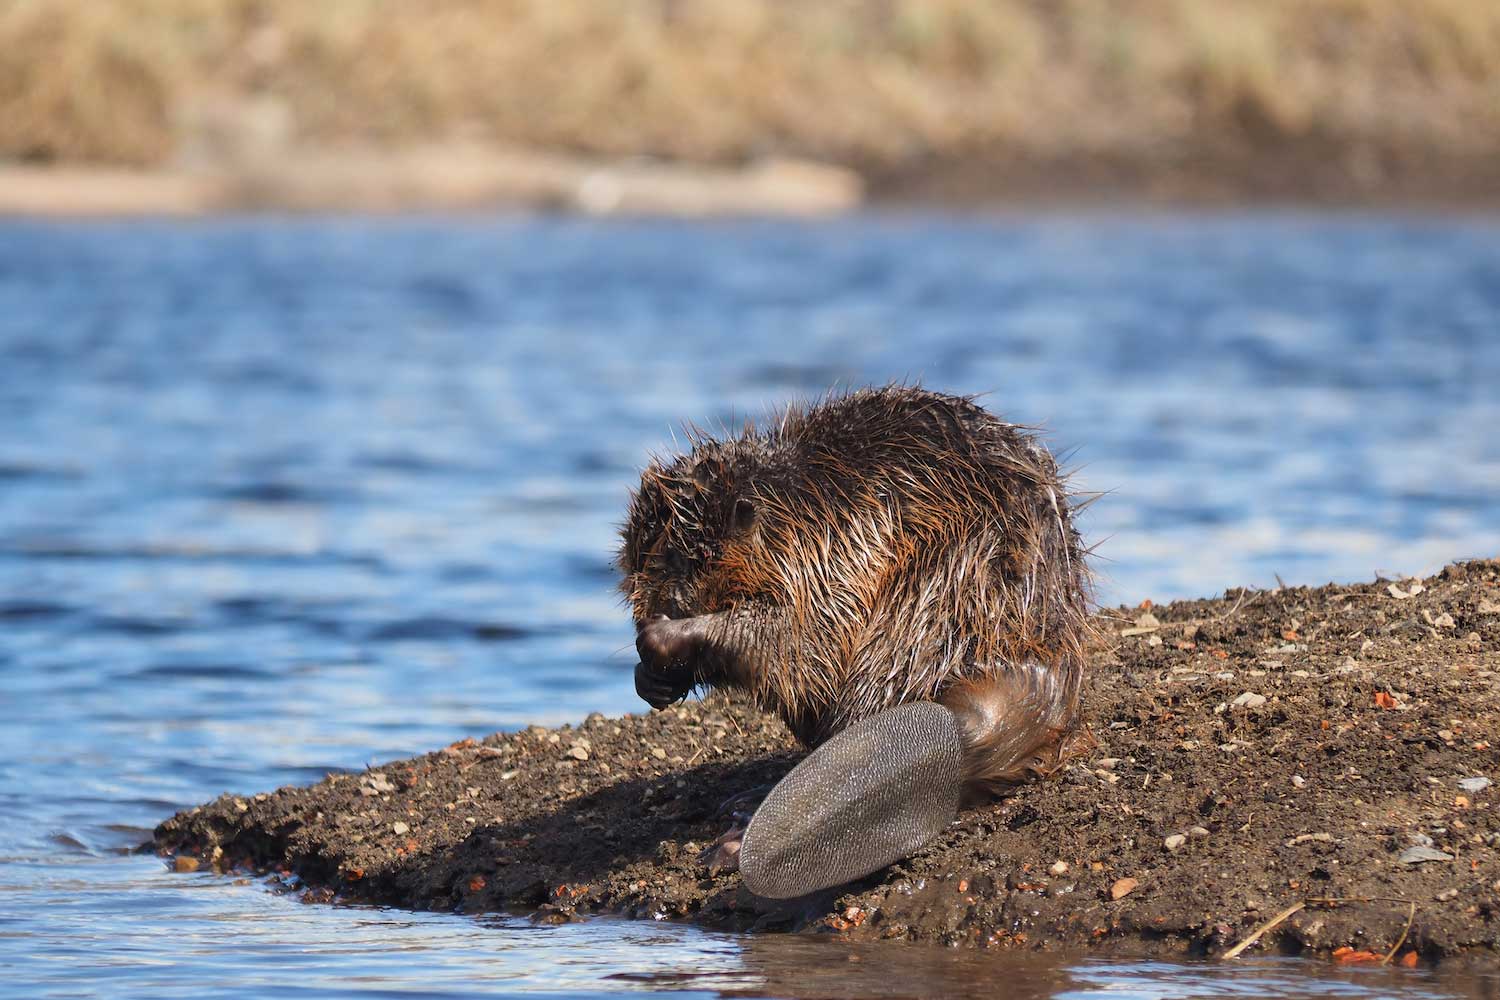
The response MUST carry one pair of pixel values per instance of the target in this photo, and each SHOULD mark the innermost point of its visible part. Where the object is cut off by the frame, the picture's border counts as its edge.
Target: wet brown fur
(885, 546)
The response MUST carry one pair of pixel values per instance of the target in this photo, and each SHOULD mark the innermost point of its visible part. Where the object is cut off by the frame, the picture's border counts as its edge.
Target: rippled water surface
(280, 497)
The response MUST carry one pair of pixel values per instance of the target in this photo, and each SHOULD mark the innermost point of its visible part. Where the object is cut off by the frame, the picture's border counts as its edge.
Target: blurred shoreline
(432, 178)
(712, 107)
(464, 178)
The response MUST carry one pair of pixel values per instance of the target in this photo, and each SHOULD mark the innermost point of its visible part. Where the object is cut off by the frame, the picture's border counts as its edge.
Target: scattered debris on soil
(1313, 768)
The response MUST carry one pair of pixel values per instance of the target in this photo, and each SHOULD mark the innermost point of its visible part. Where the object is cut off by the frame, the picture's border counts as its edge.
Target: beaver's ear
(744, 515)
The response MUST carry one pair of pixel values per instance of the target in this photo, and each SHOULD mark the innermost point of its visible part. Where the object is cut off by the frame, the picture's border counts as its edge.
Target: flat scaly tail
(882, 788)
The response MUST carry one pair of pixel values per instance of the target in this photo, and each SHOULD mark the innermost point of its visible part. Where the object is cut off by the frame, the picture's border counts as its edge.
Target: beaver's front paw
(667, 648)
(665, 643)
(661, 688)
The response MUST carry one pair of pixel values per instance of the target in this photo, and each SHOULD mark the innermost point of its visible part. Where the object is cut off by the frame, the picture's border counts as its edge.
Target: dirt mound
(1327, 747)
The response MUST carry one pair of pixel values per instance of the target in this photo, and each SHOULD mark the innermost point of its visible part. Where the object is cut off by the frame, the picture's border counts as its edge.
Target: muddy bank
(1327, 747)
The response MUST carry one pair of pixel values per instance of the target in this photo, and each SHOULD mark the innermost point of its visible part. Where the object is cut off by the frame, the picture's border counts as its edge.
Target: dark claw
(742, 805)
(660, 689)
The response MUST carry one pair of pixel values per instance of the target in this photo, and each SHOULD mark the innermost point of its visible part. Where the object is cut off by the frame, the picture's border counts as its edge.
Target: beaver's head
(690, 538)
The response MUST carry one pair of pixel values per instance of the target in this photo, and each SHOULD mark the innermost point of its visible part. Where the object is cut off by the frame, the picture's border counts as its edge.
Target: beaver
(894, 572)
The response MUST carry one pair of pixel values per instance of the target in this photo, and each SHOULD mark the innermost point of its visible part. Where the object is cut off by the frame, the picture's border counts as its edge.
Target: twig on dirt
(737, 730)
(1245, 595)
(1290, 911)
(1139, 630)
(1411, 914)
(1297, 907)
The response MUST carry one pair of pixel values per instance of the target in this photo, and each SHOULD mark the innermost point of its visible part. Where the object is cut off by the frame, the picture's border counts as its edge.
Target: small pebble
(1198, 832)
(398, 828)
(1175, 841)
(577, 752)
(1298, 781)
(1472, 785)
(1446, 895)
(1059, 867)
(1123, 888)
(1249, 700)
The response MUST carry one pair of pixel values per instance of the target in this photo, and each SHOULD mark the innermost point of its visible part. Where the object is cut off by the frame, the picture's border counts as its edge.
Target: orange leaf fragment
(1348, 956)
(1221, 654)
(1409, 960)
(1384, 700)
(1290, 635)
(476, 884)
(1145, 605)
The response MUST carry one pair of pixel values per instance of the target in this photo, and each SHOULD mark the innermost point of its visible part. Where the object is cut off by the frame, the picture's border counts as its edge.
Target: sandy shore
(1314, 762)
(433, 178)
(445, 177)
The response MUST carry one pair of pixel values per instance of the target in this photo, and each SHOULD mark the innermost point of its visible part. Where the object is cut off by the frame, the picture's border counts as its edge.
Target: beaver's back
(917, 541)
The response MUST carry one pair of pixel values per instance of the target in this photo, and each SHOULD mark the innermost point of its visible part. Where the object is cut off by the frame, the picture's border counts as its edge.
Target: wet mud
(1333, 752)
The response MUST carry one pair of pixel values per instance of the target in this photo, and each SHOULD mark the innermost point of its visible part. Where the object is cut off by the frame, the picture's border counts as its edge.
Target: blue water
(280, 497)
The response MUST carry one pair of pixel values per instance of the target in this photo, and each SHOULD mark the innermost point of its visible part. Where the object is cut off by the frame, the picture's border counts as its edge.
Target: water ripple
(283, 497)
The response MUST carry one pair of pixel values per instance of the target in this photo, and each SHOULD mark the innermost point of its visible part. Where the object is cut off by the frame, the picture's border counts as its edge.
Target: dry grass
(880, 84)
